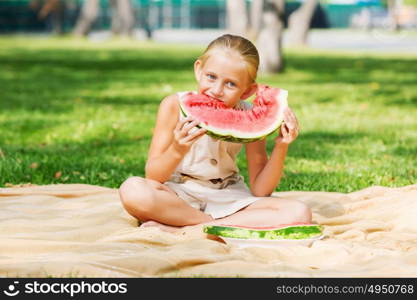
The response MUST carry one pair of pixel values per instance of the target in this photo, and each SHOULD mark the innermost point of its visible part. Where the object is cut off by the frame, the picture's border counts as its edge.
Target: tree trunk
(54, 9)
(237, 19)
(123, 18)
(299, 22)
(270, 37)
(128, 17)
(88, 16)
(394, 7)
(116, 22)
(256, 18)
(57, 17)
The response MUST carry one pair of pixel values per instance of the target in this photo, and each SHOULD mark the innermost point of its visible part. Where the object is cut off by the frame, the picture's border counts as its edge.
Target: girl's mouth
(210, 96)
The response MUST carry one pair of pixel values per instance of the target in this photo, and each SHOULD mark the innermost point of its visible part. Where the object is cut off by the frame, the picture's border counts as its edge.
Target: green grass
(79, 112)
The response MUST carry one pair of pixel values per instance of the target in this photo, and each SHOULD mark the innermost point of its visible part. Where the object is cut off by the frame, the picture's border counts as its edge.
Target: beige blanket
(82, 231)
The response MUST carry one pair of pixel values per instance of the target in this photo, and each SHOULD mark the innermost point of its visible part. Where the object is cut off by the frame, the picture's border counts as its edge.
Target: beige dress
(208, 178)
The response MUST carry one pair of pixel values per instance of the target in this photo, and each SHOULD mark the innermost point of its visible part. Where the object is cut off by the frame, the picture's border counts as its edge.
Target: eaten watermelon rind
(288, 233)
(231, 135)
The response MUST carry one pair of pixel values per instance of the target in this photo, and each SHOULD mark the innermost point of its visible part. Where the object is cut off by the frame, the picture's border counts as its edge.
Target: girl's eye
(209, 76)
(231, 84)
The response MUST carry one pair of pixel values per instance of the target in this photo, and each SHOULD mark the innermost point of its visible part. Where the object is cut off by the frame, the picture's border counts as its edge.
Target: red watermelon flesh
(230, 124)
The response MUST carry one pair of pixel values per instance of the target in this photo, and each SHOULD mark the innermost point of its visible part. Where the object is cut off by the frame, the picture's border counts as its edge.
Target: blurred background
(198, 21)
(61, 16)
(81, 82)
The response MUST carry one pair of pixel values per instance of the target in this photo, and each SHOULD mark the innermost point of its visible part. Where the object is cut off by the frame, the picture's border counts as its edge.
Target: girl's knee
(129, 188)
(136, 196)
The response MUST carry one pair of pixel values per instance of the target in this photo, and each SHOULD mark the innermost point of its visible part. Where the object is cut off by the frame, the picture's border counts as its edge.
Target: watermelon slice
(291, 231)
(233, 125)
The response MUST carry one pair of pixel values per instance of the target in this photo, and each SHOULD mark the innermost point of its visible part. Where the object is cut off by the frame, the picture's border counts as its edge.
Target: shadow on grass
(342, 182)
(126, 101)
(26, 126)
(100, 60)
(52, 79)
(99, 161)
(353, 70)
(400, 101)
(29, 125)
(406, 151)
(317, 145)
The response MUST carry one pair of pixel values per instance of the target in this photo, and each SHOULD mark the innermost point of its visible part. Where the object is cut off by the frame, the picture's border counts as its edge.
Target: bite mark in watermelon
(233, 125)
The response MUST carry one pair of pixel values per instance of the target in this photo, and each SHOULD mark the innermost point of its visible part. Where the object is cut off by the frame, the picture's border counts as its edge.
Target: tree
(269, 41)
(50, 8)
(123, 18)
(267, 26)
(88, 16)
(256, 18)
(299, 22)
(237, 20)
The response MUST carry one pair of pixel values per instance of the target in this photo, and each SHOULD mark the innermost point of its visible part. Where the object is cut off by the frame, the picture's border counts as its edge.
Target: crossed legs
(153, 203)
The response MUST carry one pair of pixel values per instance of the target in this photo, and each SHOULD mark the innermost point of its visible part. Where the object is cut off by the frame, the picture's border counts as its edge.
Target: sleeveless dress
(208, 178)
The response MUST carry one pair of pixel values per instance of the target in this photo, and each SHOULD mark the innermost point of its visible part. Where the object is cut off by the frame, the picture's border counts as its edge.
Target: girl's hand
(185, 134)
(289, 128)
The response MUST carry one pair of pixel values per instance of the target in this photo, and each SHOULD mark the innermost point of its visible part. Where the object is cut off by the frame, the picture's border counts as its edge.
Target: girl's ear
(250, 91)
(197, 69)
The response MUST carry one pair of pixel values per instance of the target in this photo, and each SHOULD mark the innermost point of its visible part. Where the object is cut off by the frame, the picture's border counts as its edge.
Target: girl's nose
(217, 90)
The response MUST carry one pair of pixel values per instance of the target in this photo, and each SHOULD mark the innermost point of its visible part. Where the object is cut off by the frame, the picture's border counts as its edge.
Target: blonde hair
(239, 44)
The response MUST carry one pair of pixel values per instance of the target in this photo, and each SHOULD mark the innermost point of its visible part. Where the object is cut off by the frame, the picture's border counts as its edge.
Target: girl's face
(224, 76)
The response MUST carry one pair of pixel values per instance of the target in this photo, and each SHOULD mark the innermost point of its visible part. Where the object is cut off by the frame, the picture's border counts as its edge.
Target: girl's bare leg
(147, 199)
(269, 211)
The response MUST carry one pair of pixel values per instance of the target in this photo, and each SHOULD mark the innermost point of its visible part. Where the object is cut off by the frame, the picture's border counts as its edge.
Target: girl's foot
(196, 230)
(161, 226)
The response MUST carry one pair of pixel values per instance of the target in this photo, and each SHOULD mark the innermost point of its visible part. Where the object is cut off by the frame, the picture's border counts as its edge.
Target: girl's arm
(264, 174)
(170, 141)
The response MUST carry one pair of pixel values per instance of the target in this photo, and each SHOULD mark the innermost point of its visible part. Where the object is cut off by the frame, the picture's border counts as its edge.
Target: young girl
(191, 178)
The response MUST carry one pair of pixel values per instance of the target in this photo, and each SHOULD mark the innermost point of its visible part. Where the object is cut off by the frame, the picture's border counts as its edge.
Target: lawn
(79, 112)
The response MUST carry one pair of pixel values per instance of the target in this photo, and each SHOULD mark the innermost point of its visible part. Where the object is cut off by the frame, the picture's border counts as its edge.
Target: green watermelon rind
(217, 134)
(230, 138)
(288, 233)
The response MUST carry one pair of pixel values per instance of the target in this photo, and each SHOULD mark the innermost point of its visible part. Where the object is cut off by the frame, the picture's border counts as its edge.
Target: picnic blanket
(77, 230)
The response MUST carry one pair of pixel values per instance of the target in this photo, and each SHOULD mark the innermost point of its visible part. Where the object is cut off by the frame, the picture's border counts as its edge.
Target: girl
(191, 178)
